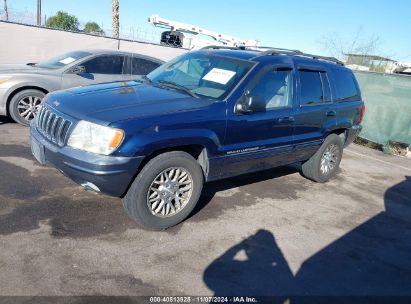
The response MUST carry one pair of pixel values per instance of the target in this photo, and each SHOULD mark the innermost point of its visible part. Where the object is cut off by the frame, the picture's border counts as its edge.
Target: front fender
(17, 83)
(146, 144)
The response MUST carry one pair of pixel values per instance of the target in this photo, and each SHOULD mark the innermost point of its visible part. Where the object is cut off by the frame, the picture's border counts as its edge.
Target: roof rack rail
(217, 47)
(266, 50)
(324, 58)
(277, 51)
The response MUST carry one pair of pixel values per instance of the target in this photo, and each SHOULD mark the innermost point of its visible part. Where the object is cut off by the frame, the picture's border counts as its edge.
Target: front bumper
(351, 134)
(107, 174)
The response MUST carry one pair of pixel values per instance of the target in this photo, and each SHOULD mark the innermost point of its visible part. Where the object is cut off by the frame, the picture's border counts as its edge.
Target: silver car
(22, 87)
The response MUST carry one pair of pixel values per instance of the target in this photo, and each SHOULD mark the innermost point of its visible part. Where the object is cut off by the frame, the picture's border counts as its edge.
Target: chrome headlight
(95, 138)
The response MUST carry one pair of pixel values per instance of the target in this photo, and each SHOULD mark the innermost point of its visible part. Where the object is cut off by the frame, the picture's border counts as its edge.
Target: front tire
(166, 191)
(25, 105)
(324, 164)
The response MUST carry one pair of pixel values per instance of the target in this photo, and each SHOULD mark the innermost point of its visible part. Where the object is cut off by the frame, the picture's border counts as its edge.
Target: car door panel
(313, 119)
(99, 69)
(262, 140)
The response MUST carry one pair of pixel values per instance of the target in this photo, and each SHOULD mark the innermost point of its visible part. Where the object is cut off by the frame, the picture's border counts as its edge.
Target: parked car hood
(21, 69)
(111, 102)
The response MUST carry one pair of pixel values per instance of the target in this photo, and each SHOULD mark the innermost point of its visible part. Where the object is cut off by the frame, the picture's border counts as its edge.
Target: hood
(20, 69)
(111, 102)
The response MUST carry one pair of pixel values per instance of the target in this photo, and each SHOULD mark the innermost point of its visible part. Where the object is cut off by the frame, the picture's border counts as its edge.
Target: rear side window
(140, 66)
(311, 87)
(315, 87)
(346, 85)
(107, 64)
(326, 87)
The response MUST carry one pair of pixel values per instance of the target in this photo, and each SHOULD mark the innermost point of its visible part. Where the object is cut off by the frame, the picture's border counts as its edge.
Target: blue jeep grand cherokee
(206, 115)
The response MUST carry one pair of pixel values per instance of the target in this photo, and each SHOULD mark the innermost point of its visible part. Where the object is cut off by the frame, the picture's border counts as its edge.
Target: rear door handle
(330, 113)
(286, 119)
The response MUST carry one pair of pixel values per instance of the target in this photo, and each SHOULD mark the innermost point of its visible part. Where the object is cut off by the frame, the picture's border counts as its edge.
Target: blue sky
(297, 24)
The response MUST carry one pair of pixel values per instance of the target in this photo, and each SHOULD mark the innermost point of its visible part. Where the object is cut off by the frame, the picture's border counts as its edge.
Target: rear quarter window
(140, 66)
(346, 85)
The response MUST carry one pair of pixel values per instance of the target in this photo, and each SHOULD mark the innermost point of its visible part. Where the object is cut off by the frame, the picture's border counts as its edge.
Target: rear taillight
(362, 111)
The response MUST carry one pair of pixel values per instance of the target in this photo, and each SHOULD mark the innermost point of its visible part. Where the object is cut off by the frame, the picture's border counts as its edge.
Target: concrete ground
(270, 233)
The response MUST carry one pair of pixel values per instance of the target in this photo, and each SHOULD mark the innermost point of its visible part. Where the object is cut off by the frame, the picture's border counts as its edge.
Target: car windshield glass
(62, 60)
(202, 74)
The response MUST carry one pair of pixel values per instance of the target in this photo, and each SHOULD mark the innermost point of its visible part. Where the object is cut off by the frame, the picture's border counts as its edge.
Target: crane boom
(176, 27)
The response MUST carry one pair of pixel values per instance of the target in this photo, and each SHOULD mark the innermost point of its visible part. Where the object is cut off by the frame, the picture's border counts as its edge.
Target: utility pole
(39, 12)
(6, 11)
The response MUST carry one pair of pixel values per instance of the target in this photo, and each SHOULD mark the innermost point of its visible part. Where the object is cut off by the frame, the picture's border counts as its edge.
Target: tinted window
(276, 88)
(141, 66)
(311, 87)
(326, 87)
(107, 64)
(346, 86)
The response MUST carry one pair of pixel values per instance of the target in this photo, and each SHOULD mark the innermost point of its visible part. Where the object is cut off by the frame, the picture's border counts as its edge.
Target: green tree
(64, 21)
(93, 28)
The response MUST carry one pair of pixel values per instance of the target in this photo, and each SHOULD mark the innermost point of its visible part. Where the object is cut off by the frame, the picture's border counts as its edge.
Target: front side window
(311, 87)
(106, 64)
(201, 74)
(276, 88)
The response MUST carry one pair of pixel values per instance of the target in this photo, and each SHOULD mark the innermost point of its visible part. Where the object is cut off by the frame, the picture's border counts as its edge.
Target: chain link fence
(137, 33)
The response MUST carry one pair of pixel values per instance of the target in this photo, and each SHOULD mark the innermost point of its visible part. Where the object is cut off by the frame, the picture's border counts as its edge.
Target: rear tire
(324, 164)
(166, 191)
(24, 106)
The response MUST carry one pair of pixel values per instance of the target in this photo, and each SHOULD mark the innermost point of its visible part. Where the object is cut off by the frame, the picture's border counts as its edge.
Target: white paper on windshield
(67, 60)
(219, 75)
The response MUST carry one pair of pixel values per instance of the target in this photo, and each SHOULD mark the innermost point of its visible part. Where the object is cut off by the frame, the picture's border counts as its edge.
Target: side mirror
(250, 104)
(78, 69)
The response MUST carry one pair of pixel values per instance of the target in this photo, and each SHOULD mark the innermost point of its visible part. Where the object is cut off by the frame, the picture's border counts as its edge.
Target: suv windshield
(203, 75)
(62, 60)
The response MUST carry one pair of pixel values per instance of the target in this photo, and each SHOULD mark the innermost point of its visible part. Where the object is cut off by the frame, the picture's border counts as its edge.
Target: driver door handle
(287, 119)
(330, 113)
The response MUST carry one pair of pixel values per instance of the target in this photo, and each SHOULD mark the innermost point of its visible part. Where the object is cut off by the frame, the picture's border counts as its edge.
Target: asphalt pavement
(269, 233)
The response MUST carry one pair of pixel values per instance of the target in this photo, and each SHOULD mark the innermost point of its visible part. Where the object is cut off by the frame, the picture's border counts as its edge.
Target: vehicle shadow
(4, 120)
(210, 189)
(372, 260)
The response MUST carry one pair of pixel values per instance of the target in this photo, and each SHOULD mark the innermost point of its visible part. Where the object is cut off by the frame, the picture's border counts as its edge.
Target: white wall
(23, 43)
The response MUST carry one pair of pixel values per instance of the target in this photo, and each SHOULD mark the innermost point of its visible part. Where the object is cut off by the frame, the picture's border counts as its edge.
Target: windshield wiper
(178, 87)
(143, 79)
(147, 79)
(31, 64)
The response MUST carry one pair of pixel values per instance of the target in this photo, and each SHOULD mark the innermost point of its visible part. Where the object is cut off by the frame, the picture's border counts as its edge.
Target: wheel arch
(197, 151)
(20, 89)
(341, 132)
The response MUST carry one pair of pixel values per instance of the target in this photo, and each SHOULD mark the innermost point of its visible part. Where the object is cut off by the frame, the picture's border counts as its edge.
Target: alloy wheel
(28, 107)
(329, 159)
(170, 192)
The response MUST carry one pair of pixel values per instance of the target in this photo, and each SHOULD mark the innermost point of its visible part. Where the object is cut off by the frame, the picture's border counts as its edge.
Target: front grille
(53, 126)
